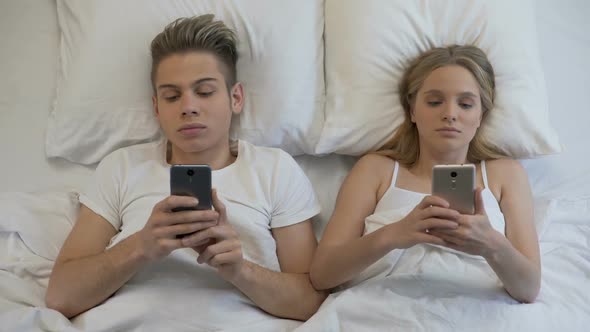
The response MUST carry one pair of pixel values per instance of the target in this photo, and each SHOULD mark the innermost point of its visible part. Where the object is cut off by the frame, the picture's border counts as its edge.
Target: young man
(258, 238)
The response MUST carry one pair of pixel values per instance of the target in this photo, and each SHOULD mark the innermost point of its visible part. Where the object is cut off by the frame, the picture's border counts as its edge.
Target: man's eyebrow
(203, 80)
(197, 82)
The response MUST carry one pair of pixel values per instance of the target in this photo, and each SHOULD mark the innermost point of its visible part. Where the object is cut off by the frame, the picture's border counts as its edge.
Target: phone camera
(453, 174)
(190, 172)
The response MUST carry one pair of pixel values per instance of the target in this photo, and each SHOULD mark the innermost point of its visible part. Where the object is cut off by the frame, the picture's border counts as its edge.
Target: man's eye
(171, 98)
(205, 93)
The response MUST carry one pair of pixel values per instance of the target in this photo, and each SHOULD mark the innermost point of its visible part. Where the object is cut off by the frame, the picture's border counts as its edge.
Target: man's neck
(217, 157)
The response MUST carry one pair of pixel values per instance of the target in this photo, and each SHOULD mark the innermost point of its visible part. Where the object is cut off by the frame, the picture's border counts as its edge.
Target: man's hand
(218, 246)
(158, 239)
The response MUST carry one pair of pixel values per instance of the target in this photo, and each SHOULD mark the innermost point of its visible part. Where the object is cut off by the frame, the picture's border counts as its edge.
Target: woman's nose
(449, 114)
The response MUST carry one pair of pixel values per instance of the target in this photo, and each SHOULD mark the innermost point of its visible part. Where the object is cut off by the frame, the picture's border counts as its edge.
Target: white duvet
(174, 294)
(427, 290)
(430, 289)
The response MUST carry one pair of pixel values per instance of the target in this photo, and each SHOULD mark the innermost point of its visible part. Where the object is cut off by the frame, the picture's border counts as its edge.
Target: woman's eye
(465, 106)
(434, 103)
(171, 98)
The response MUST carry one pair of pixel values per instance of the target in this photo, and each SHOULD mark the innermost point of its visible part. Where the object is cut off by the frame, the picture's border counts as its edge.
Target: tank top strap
(395, 171)
(484, 174)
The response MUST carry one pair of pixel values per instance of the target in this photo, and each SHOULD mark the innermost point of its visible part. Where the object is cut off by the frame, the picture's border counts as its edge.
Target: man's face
(192, 102)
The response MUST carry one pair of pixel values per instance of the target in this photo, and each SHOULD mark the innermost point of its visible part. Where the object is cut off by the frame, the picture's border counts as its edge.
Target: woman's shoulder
(373, 170)
(504, 171)
(375, 163)
(503, 165)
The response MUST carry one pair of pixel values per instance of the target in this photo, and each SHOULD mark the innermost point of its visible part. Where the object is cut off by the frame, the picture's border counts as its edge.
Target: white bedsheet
(432, 292)
(173, 294)
(28, 62)
(423, 292)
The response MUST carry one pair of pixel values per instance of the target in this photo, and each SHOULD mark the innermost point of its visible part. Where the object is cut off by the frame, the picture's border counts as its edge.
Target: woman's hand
(475, 235)
(431, 213)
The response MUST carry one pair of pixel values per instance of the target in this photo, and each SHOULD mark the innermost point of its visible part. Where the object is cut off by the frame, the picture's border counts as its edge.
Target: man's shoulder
(135, 153)
(264, 155)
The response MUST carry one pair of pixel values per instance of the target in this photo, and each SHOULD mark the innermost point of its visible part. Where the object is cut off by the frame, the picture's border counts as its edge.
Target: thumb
(219, 206)
(479, 206)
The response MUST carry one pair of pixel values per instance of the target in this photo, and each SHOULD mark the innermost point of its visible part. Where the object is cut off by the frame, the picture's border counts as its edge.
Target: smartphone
(455, 184)
(192, 180)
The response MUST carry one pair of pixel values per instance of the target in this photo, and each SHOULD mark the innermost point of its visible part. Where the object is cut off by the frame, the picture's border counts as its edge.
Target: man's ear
(237, 98)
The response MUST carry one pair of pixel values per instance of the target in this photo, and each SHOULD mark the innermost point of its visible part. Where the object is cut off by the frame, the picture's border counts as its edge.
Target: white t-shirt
(264, 188)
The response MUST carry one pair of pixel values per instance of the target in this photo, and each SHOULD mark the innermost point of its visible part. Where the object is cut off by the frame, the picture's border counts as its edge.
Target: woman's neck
(427, 160)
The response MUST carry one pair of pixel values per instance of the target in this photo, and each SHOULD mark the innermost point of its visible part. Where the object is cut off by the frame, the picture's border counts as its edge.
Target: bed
(41, 174)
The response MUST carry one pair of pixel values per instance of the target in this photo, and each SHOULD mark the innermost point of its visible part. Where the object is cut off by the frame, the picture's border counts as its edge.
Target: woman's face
(447, 109)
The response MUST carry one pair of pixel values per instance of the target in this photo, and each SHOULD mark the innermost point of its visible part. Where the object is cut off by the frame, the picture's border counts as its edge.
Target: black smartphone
(192, 180)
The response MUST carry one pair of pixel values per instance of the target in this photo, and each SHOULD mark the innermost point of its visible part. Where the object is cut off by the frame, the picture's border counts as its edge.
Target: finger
(449, 239)
(433, 201)
(439, 212)
(461, 233)
(219, 206)
(218, 233)
(172, 202)
(186, 228)
(169, 245)
(182, 217)
(226, 258)
(201, 246)
(479, 206)
(216, 249)
(428, 238)
(431, 223)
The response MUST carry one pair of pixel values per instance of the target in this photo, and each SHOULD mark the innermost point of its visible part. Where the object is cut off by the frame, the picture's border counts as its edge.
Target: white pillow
(43, 220)
(368, 44)
(104, 92)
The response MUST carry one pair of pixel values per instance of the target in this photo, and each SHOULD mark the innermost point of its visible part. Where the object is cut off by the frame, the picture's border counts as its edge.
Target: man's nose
(189, 105)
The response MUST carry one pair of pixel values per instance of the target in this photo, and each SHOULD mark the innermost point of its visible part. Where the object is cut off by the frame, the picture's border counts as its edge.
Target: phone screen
(192, 180)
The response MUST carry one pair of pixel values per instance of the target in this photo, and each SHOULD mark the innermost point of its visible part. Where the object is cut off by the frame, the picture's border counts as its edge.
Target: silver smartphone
(455, 184)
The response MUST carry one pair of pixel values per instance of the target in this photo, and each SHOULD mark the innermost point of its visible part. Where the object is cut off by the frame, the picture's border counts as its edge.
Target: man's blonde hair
(405, 145)
(201, 34)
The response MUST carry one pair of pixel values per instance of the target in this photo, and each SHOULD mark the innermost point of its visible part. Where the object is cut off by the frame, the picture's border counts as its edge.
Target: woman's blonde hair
(405, 145)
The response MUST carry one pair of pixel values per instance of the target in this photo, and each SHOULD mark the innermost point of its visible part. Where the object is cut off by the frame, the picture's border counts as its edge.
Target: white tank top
(396, 203)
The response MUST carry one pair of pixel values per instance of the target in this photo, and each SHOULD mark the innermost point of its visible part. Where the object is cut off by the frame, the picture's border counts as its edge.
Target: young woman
(384, 205)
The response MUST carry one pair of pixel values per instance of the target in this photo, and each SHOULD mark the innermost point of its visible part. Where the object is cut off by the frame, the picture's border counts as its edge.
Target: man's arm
(287, 294)
(85, 274)
(290, 293)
